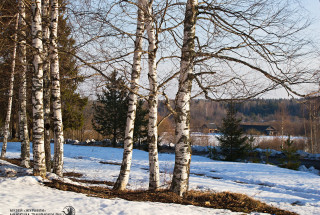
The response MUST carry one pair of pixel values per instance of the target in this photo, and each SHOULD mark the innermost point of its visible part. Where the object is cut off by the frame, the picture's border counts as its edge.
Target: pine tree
(111, 108)
(141, 123)
(111, 112)
(73, 103)
(233, 142)
(11, 83)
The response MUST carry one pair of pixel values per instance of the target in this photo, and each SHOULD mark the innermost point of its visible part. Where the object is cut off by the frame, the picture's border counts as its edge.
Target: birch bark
(46, 81)
(123, 177)
(56, 95)
(154, 177)
(180, 180)
(10, 97)
(37, 91)
(24, 134)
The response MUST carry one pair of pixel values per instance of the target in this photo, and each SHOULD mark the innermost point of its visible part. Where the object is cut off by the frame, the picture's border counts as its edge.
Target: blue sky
(313, 7)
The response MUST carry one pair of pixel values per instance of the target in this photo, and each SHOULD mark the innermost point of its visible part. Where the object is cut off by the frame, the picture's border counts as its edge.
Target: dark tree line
(72, 102)
(255, 111)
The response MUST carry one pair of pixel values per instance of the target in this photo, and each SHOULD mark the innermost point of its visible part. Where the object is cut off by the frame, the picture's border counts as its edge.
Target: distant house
(262, 129)
(209, 128)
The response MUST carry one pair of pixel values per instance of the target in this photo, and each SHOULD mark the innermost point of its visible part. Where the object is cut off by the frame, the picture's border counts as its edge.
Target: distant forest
(290, 116)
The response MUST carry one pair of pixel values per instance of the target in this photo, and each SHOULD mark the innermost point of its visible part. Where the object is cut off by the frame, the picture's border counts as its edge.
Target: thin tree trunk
(315, 142)
(56, 97)
(24, 134)
(46, 81)
(11, 82)
(123, 177)
(154, 178)
(180, 180)
(311, 127)
(37, 91)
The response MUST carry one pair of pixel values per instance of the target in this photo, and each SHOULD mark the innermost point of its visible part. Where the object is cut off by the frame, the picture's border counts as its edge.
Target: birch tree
(37, 91)
(56, 97)
(123, 177)
(244, 48)
(10, 93)
(46, 80)
(154, 178)
(23, 123)
(180, 180)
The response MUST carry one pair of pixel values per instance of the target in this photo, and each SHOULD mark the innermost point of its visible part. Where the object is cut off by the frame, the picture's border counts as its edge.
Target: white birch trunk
(180, 180)
(46, 81)
(154, 177)
(24, 134)
(123, 177)
(37, 91)
(56, 98)
(10, 92)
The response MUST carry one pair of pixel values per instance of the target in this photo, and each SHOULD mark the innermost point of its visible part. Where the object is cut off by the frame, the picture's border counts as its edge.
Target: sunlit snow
(291, 190)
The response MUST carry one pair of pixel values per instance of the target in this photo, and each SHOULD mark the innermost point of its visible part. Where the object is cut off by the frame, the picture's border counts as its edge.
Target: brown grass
(224, 200)
(277, 142)
(111, 163)
(72, 174)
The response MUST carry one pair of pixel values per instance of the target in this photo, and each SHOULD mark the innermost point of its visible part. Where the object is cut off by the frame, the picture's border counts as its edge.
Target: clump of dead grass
(225, 200)
(277, 142)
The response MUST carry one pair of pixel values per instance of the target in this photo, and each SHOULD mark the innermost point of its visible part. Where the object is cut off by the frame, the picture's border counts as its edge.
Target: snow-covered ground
(287, 189)
(211, 138)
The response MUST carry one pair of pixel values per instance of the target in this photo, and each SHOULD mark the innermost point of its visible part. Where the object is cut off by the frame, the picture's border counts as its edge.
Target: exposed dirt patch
(265, 185)
(109, 183)
(198, 174)
(72, 174)
(225, 200)
(79, 157)
(111, 163)
(240, 182)
(213, 177)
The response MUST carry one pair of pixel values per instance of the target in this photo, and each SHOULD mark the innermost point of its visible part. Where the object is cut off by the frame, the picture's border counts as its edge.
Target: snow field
(287, 189)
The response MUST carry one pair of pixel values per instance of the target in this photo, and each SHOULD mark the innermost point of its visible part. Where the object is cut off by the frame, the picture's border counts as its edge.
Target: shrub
(291, 160)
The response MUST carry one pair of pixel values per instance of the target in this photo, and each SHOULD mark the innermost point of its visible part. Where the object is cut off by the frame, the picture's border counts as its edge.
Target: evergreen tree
(111, 108)
(233, 142)
(141, 123)
(111, 112)
(72, 103)
(7, 29)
